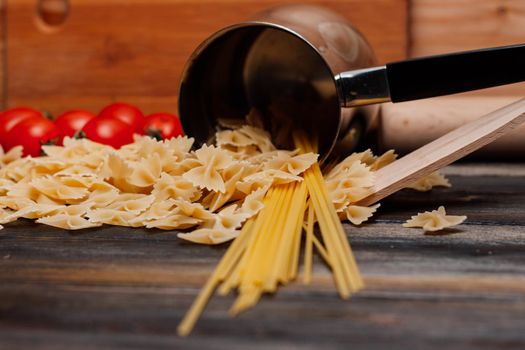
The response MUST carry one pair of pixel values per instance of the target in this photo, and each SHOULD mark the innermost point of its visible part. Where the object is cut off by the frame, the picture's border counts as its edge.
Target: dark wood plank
(128, 288)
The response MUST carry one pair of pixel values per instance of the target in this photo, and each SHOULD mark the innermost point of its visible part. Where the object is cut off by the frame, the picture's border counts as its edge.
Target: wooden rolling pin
(410, 125)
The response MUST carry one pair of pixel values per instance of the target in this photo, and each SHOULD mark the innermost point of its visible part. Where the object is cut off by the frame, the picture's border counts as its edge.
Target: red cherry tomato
(162, 126)
(108, 131)
(72, 121)
(12, 117)
(127, 113)
(32, 133)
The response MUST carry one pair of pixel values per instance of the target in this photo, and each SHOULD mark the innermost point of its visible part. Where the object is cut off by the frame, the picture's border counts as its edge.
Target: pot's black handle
(431, 76)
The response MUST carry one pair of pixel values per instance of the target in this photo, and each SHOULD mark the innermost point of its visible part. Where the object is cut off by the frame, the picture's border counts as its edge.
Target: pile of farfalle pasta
(241, 187)
(166, 185)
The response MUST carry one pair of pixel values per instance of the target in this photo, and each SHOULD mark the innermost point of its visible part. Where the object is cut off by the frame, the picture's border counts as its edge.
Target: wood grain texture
(440, 26)
(135, 51)
(128, 288)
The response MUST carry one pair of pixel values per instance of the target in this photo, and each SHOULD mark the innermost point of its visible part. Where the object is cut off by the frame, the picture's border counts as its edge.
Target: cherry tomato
(32, 133)
(12, 117)
(108, 131)
(127, 113)
(72, 121)
(162, 126)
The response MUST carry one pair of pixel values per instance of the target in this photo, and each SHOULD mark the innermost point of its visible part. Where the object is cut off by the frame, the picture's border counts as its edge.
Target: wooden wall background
(110, 50)
(135, 50)
(3, 97)
(439, 26)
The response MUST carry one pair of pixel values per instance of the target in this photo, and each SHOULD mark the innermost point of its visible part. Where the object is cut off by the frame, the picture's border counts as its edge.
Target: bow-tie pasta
(434, 220)
(426, 183)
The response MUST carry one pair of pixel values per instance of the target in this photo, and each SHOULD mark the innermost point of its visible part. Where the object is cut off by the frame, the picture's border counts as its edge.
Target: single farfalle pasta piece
(116, 170)
(157, 210)
(5, 185)
(228, 218)
(194, 210)
(110, 216)
(135, 203)
(6, 216)
(46, 166)
(261, 138)
(233, 138)
(174, 221)
(77, 151)
(75, 209)
(367, 158)
(146, 171)
(212, 159)
(38, 210)
(68, 222)
(231, 177)
(170, 152)
(175, 187)
(358, 214)
(220, 229)
(66, 189)
(253, 203)
(247, 186)
(10, 156)
(293, 164)
(383, 160)
(426, 183)
(29, 211)
(18, 170)
(336, 170)
(180, 167)
(434, 220)
(15, 203)
(179, 146)
(101, 194)
(95, 160)
(24, 190)
(115, 167)
(359, 172)
(209, 236)
(242, 153)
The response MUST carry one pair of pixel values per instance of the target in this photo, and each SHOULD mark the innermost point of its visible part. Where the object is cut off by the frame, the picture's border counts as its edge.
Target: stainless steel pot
(305, 67)
(283, 62)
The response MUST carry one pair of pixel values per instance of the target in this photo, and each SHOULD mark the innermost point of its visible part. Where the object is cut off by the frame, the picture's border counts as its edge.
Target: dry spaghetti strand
(230, 257)
(346, 274)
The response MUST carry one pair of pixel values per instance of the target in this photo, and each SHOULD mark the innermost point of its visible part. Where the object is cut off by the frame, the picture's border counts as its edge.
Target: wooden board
(440, 26)
(124, 288)
(135, 51)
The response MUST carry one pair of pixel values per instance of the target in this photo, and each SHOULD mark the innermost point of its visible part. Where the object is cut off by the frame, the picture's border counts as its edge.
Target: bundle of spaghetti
(340, 257)
(266, 253)
(272, 256)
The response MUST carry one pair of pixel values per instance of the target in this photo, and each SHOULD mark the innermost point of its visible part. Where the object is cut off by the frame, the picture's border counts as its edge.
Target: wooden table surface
(128, 288)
